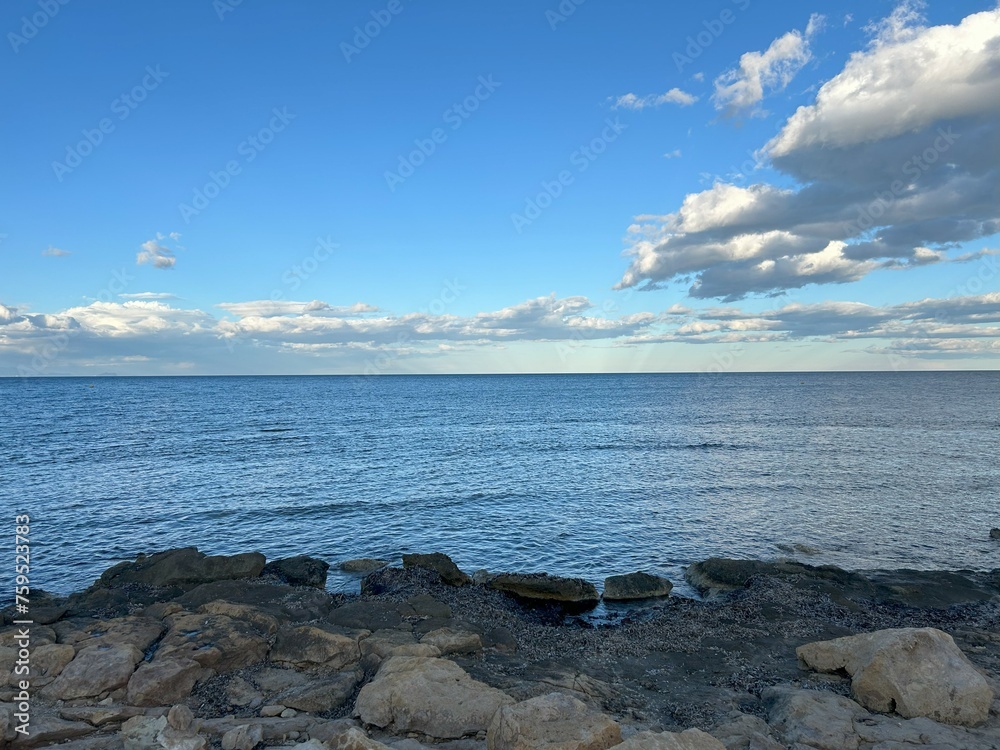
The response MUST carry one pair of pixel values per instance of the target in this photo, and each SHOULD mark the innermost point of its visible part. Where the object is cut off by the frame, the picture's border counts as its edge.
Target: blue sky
(251, 187)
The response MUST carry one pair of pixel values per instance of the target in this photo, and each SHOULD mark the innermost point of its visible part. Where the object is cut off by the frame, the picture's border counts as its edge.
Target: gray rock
(812, 718)
(321, 694)
(46, 730)
(141, 632)
(689, 739)
(95, 671)
(164, 681)
(541, 587)
(140, 732)
(636, 585)
(912, 671)
(183, 567)
(449, 641)
(366, 615)
(180, 718)
(243, 737)
(994, 533)
(554, 721)
(745, 732)
(301, 570)
(432, 696)
(310, 646)
(265, 623)
(362, 565)
(217, 642)
(427, 606)
(441, 564)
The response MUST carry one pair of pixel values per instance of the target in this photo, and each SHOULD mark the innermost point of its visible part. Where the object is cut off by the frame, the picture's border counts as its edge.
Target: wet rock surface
(417, 662)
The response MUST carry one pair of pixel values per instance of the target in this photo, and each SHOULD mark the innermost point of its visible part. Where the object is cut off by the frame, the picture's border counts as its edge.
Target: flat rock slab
(183, 567)
(313, 646)
(95, 671)
(636, 585)
(541, 587)
(215, 641)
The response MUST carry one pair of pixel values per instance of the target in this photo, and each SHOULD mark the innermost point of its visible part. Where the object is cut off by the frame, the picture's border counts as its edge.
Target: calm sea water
(586, 475)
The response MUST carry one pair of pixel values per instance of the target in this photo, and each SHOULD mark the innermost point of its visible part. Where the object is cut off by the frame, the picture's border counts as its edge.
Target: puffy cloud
(673, 96)
(156, 255)
(55, 252)
(894, 163)
(957, 327)
(164, 337)
(773, 69)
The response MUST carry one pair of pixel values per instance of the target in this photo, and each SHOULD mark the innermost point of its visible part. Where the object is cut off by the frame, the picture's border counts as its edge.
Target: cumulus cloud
(161, 335)
(893, 164)
(765, 72)
(55, 252)
(157, 254)
(967, 325)
(673, 96)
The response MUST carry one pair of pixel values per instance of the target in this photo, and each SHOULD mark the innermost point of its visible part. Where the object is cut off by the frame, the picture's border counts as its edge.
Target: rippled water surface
(583, 474)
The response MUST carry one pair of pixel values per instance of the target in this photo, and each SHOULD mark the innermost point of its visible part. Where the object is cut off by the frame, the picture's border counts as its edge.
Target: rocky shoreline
(183, 651)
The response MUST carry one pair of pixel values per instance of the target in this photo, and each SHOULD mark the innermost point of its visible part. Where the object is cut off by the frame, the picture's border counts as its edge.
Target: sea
(578, 475)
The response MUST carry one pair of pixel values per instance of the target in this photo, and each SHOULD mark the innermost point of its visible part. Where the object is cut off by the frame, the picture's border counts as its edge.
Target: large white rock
(551, 722)
(912, 671)
(94, 671)
(689, 739)
(432, 696)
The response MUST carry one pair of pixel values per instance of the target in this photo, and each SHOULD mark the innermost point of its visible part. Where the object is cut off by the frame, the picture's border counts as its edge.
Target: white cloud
(55, 252)
(673, 96)
(156, 255)
(149, 296)
(268, 308)
(771, 70)
(164, 336)
(675, 154)
(905, 22)
(893, 165)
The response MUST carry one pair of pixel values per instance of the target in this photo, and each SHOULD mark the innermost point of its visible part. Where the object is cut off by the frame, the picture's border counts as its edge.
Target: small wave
(275, 429)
